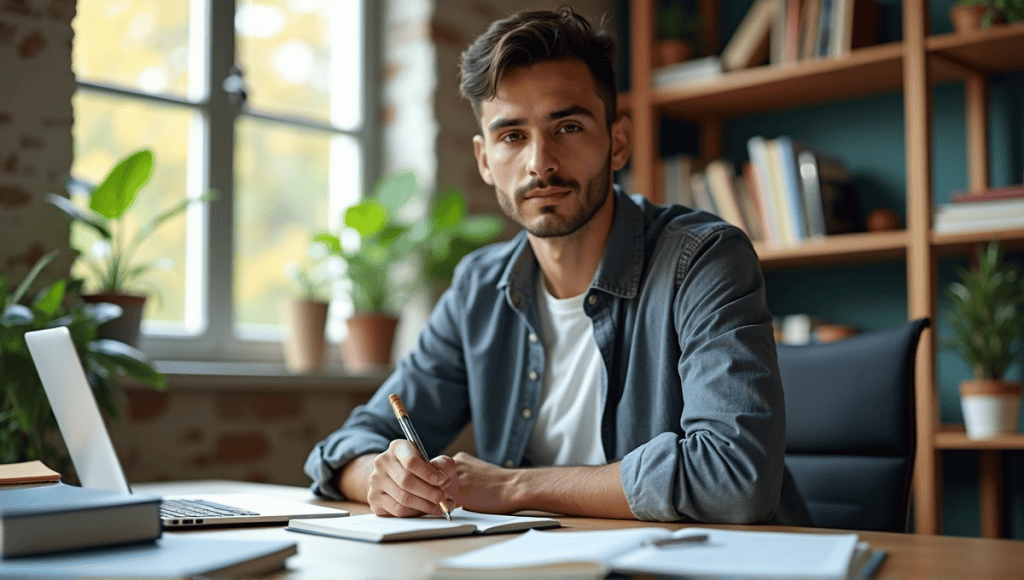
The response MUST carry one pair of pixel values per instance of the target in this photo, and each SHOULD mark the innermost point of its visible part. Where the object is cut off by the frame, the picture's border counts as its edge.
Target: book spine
(791, 186)
(812, 194)
(720, 177)
(809, 28)
(778, 197)
(757, 197)
(757, 147)
(69, 530)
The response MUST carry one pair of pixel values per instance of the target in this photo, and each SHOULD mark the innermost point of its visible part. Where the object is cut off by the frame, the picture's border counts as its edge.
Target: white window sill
(251, 376)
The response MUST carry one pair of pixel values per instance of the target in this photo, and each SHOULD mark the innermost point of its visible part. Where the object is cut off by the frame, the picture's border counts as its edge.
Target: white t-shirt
(567, 429)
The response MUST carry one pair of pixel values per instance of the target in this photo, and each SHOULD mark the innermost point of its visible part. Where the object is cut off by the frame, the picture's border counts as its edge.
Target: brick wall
(36, 84)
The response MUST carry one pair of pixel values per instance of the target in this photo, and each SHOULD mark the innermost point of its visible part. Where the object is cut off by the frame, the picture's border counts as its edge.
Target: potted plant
(27, 425)
(973, 15)
(674, 25)
(988, 321)
(111, 263)
(305, 316)
(388, 252)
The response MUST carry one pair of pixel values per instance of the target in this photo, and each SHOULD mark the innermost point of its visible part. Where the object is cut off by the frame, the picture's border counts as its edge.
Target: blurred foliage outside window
(296, 162)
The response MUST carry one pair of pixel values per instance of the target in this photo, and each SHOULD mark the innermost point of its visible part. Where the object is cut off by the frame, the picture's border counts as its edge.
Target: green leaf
(30, 278)
(76, 214)
(17, 314)
(48, 300)
(329, 240)
(117, 192)
(394, 191)
(450, 209)
(132, 361)
(367, 217)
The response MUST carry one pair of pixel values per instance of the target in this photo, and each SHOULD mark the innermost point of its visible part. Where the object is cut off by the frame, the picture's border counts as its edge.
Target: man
(616, 358)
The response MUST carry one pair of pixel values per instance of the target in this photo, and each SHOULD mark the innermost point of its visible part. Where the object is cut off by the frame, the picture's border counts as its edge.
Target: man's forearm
(354, 477)
(583, 491)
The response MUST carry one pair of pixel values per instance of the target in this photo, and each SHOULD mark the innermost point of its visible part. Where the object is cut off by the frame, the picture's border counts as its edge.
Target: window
(264, 101)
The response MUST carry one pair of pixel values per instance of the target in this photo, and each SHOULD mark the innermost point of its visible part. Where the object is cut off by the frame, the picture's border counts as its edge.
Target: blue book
(54, 517)
(173, 556)
(792, 186)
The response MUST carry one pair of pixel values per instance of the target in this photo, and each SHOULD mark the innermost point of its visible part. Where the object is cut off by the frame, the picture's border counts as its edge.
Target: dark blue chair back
(850, 429)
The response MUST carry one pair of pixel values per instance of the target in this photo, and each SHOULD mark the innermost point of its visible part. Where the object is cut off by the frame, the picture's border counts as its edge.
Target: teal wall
(868, 134)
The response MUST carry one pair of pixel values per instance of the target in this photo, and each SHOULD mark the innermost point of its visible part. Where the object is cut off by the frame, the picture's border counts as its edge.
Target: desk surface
(910, 555)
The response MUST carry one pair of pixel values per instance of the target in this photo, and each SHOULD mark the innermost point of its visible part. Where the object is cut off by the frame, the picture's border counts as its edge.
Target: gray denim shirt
(693, 405)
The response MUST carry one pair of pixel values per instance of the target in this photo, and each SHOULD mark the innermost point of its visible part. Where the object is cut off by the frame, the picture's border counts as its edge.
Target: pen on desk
(410, 434)
(695, 539)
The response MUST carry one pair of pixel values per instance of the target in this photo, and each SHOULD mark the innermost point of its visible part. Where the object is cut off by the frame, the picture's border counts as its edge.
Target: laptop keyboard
(197, 508)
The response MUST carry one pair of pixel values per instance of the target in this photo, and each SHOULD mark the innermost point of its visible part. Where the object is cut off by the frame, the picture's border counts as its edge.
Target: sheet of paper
(539, 548)
(743, 553)
(484, 522)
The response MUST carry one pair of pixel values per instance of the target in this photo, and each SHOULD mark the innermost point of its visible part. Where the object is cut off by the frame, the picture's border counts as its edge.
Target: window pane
(107, 129)
(288, 183)
(137, 44)
(303, 57)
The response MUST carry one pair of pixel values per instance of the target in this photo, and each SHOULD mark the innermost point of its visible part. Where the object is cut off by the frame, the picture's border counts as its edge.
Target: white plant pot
(991, 408)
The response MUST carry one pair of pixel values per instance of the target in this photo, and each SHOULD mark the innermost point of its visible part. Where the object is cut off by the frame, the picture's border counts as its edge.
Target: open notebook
(593, 554)
(380, 529)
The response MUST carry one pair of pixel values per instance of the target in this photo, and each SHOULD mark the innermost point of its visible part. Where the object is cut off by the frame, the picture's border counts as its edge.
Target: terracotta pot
(125, 328)
(671, 50)
(305, 347)
(991, 407)
(967, 18)
(367, 348)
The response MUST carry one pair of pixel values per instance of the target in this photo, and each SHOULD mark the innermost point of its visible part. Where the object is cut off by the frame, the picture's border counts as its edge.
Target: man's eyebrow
(501, 123)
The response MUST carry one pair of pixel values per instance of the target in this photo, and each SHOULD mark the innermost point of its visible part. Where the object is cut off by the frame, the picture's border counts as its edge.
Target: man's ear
(622, 141)
(481, 159)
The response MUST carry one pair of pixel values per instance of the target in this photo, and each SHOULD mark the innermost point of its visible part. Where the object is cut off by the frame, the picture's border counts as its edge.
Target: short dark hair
(529, 37)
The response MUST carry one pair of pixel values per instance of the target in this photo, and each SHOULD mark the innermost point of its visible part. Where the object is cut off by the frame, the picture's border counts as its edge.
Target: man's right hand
(401, 483)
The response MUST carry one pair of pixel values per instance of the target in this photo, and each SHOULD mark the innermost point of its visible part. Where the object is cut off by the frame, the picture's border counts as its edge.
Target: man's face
(546, 147)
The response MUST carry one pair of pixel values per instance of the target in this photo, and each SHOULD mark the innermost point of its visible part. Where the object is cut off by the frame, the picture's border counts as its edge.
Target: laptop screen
(74, 406)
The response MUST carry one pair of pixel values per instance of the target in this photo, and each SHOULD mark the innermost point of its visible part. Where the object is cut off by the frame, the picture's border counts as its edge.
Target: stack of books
(992, 209)
(783, 31)
(800, 193)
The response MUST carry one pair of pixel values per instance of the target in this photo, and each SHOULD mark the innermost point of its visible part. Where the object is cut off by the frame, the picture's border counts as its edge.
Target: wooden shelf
(872, 70)
(952, 436)
(998, 49)
(965, 243)
(868, 247)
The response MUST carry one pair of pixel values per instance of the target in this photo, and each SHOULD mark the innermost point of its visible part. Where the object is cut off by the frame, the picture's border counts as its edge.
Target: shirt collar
(621, 265)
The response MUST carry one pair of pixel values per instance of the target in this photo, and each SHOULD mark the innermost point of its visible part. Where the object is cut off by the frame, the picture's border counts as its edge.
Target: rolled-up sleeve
(431, 380)
(727, 464)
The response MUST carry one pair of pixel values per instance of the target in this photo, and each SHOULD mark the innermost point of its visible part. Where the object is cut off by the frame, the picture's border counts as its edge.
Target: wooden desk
(910, 555)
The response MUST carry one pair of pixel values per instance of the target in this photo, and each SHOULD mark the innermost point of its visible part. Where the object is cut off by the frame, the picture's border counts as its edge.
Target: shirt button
(509, 463)
(533, 375)
(533, 337)
(592, 300)
(527, 413)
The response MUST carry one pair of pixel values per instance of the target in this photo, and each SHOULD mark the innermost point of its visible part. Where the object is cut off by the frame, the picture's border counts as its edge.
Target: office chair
(850, 428)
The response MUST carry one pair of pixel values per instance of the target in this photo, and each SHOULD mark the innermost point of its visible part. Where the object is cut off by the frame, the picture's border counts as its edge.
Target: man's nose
(542, 158)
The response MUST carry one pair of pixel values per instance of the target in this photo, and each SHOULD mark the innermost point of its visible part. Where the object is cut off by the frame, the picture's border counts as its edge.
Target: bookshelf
(914, 65)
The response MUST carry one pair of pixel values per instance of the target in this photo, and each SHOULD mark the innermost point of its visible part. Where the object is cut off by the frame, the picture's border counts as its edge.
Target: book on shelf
(778, 197)
(1011, 192)
(374, 528)
(995, 214)
(792, 188)
(172, 556)
(702, 198)
(828, 193)
(714, 554)
(809, 28)
(757, 148)
(749, 45)
(791, 42)
(688, 71)
(757, 202)
(856, 25)
(748, 207)
(56, 517)
(676, 170)
(721, 177)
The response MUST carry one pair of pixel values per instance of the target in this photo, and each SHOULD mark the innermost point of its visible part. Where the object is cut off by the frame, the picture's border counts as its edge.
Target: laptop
(92, 452)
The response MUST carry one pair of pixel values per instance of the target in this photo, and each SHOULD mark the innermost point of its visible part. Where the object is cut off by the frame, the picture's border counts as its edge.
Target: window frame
(210, 241)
